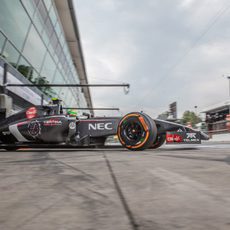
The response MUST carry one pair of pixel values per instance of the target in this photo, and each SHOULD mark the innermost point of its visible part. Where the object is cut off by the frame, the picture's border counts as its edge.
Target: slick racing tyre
(137, 131)
(160, 140)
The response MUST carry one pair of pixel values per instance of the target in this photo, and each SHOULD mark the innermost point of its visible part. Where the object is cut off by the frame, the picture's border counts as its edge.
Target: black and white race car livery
(47, 126)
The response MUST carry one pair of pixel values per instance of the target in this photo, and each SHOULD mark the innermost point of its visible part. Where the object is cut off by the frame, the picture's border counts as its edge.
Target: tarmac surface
(174, 187)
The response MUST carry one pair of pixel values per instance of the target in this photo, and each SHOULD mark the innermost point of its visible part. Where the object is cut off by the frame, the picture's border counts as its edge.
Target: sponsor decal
(173, 137)
(100, 126)
(72, 125)
(34, 128)
(52, 122)
(191, 137)
(6, 133)
(31, 112)
(183, 137)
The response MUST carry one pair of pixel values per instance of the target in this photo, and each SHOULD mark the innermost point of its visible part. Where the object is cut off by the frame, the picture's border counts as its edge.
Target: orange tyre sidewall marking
(129, 115)
(142, 120)
(119, 136)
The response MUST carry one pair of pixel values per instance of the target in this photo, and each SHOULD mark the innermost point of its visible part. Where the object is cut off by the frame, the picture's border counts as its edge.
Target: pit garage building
(40, 43)
(216, 117)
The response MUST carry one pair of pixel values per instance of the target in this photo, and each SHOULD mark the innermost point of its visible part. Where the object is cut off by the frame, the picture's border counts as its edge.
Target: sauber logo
(100, 126)
(72, 125)
(34, 128)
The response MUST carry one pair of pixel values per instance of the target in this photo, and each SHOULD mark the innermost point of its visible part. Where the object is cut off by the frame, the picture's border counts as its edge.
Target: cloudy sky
(168, 50)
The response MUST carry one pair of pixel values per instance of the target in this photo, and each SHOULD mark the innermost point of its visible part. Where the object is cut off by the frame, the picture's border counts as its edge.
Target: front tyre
(137, 131)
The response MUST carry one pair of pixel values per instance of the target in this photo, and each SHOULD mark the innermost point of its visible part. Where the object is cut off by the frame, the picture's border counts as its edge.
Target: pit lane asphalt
(174, 187)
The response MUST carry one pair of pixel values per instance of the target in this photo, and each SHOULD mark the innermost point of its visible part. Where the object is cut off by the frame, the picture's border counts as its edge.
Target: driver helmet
(72, 112)
(55, 101)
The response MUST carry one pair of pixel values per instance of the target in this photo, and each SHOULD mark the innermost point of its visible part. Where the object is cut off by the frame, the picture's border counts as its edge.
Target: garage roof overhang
(69, 23)
(217, 107)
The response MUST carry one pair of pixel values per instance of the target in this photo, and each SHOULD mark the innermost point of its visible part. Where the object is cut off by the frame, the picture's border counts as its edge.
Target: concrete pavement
(180, 187)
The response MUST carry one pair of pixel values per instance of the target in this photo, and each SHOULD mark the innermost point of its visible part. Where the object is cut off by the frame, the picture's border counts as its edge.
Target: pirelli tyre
(160, 140)
(137, 131)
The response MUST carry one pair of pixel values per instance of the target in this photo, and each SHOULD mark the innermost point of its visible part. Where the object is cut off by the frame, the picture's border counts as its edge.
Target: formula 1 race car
(47, 126)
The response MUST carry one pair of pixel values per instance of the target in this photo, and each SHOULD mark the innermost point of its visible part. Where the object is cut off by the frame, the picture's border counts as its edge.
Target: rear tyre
(160, 140)
(137, 131)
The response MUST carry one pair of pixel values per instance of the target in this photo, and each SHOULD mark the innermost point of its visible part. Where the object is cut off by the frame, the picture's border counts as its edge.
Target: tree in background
(47, 90)
(190, 116)
(27, 71)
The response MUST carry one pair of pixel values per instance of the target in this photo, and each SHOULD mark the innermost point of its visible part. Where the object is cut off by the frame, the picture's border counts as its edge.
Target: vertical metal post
(229, 84)
(229, 95)
(195, 107)
(5, 70)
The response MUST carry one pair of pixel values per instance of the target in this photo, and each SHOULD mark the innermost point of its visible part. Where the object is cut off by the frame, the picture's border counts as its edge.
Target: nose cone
(204, 136)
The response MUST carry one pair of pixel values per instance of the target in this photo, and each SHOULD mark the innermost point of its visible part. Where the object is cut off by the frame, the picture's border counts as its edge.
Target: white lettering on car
(100, 126)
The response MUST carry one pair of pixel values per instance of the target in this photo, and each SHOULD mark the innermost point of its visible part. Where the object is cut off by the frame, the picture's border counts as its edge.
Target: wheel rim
(133, 131)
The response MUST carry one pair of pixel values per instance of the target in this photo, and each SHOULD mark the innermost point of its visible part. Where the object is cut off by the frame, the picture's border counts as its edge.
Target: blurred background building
(40, 43)
(216, 117)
